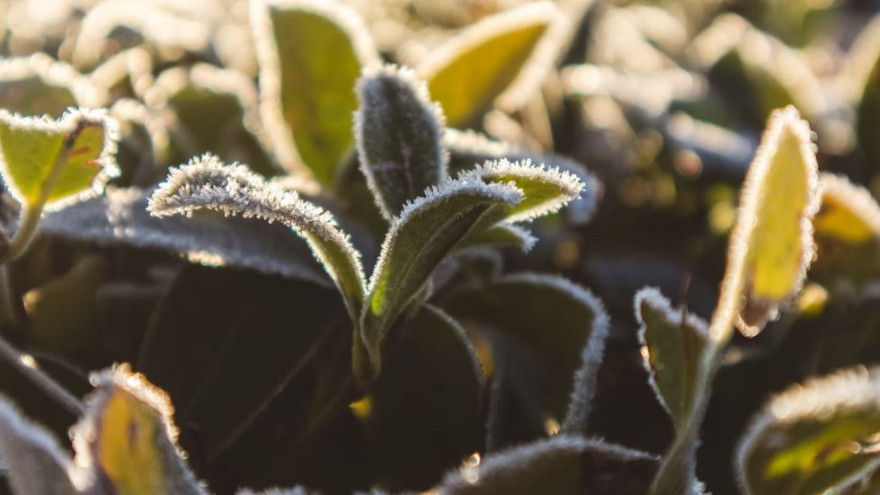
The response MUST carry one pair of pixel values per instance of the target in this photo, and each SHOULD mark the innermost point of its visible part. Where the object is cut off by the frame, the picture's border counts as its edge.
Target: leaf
(469, 148)
(39, 85)
(426, 232)
(771, 244)
(546, 190)
(671, 350)
(310, 53)
(127, 439)
(399, 133)
(120, 218)
(501, 235)
(847, 232)
(425, 414)
(34, 462)
(571, 465)
(814, 437)
(560, 323)
(213, 110)
(487, 58)
(55, 163)
(206, 183)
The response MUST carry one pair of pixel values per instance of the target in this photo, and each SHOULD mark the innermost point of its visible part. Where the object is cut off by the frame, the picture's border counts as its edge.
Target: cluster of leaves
(237, 283)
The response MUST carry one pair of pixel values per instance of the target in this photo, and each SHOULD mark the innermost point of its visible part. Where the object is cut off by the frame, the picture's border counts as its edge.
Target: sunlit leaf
(424, 234)
(546, 189)
(847, 232)
(120, 218)
(673, 345)
(51, 164)
(34, 462)
(814, 437)
(399, 133)
(207, 183)
(468, 149)
(486, 58)
(310, 53)
(127, 439)
(771, 245)
(570, 465)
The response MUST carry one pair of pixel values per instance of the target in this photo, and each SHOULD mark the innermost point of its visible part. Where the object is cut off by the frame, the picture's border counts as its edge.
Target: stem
(41, 379)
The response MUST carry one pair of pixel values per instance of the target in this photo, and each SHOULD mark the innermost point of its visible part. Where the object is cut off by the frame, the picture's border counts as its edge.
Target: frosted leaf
(39, 85)
(501, 235)
(399, 134)
(234, 190)
(426, 232)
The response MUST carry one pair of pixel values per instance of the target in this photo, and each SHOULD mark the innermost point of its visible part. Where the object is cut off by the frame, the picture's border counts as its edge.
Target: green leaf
(847, 233)
(215, 110)
(426, 232)
(127, 439)
(562, 324)
(771, 244)
(50, 164)
(487, 58)
(206, 183)
(546, 189)
(310, 53)
(501, 235)
(814, 437)
(120, 218)
(570, 465)
(673, 345)
(34, 462)
(469, 148)
(399, 133)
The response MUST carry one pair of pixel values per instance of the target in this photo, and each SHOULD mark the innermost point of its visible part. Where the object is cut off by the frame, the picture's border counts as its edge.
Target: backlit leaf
(672, 350)
(399, 133)
(310, 53)
(427, 230)
(206, 183)
(814, 437)
(771, 245)
(50, 164)
(39, 85)
(486, 58)
(127, 439)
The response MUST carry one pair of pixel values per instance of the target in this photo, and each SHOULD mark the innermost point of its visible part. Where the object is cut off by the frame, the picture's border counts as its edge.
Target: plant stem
(41, 379)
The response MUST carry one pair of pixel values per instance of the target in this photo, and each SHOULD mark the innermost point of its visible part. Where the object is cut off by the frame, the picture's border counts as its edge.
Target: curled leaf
(487, 58)
(310, 53)
(399, 133)
(425, 233)
(814, 437)
(673, 345)
(207, 183)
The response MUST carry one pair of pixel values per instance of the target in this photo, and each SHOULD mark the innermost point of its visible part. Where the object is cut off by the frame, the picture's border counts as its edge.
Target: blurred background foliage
(663, 101)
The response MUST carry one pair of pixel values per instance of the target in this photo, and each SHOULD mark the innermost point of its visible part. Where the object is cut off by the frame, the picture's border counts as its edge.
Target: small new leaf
(127, 439)
(48, 164)
(501, 235)
(426, 232)
(771, 244)
(673, 345)
(486, 58)
(310, 53)
(399, 134)
(570, 465)
(814, 437)
(546, 190)
(234, 190)
(34, 461)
